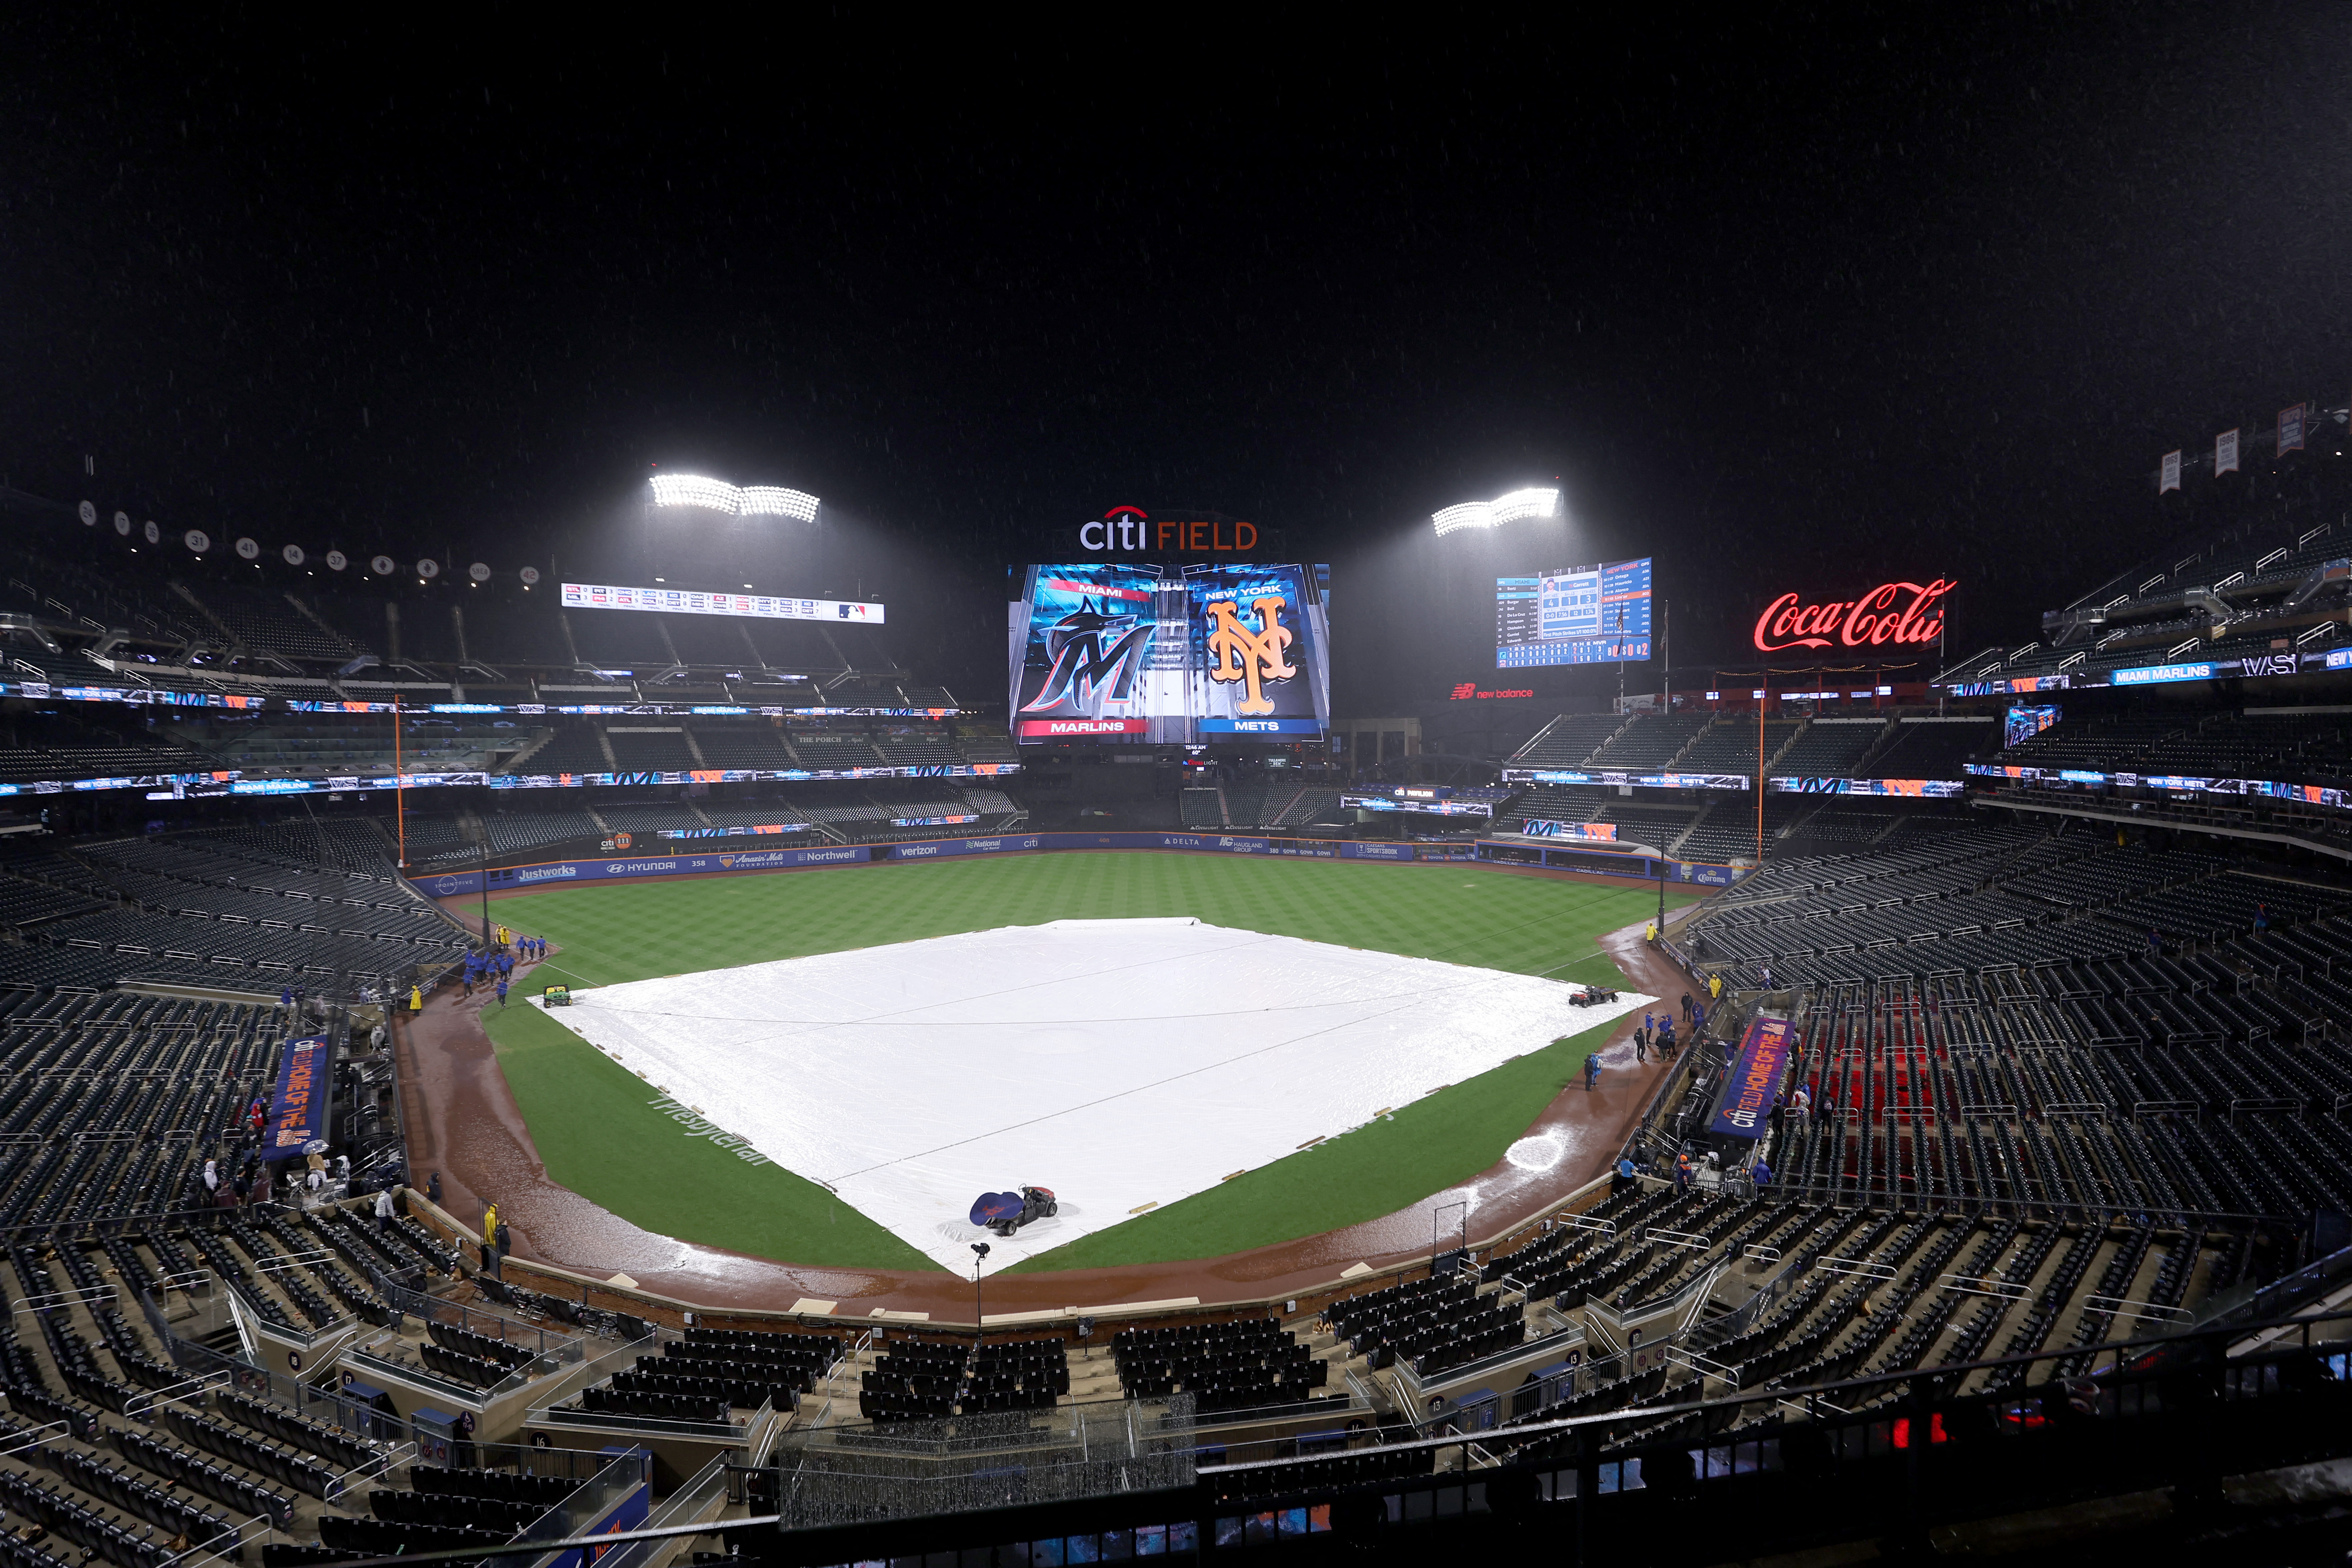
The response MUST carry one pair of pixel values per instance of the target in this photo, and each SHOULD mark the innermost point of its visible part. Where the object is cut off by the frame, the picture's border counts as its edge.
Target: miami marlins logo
(1083, 666)
(1250, 656)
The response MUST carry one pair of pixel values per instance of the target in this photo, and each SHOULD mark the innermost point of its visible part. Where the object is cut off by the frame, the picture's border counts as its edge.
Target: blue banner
(629, 1513)
(1596, 862)
(515, 879)
(1756, 1073)
(297, 1109)
(506, 879)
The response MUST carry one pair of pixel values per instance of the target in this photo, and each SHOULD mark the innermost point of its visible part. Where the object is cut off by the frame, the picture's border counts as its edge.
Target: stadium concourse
(466, 1125)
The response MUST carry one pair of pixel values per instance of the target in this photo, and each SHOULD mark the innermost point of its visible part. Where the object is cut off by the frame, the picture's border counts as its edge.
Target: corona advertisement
(1171, 655)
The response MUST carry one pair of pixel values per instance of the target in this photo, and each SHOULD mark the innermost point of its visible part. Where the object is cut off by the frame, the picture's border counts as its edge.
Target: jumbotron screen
(1579, 615)
(1171, 655)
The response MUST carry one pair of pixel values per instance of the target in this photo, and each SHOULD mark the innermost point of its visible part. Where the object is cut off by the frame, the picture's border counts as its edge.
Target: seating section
(1985, 898)
(1566, 740)
(931, 1381)
(652, 747)
(1830, 749)
(571, 749)
(715, 1375)
(111, 1103)
(201, 909)
(1929, 748)
(1434, 1324)
(1254, 1365)
(1730, 746)
(1650, 742)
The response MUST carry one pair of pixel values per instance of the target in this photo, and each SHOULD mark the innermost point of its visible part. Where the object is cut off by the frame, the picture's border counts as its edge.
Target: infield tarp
(1755, 1077)
(1125, 1064)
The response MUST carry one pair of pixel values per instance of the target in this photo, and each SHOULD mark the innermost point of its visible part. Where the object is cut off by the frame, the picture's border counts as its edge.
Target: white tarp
(1120, 1063)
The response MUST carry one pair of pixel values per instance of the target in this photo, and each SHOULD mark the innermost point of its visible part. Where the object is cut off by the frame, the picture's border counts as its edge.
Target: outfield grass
(599, 1135)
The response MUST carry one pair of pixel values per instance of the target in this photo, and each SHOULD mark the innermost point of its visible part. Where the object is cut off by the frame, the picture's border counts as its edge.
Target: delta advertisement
(1755, 1078)
(1171, 656)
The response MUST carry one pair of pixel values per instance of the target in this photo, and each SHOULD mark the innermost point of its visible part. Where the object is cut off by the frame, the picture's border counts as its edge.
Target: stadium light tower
(1502, 508)
(718, 495)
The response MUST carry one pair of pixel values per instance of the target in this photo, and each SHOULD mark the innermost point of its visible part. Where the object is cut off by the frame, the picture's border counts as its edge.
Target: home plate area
(1123, 1064)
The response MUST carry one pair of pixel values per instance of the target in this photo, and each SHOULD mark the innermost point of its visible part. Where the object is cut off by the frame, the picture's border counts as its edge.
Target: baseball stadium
(723, 939)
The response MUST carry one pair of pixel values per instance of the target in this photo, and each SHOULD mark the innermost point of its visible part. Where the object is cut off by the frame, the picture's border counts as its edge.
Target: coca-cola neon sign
(1901, 613)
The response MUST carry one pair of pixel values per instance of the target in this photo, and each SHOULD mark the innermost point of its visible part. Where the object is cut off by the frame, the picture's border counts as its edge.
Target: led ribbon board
(693, 602)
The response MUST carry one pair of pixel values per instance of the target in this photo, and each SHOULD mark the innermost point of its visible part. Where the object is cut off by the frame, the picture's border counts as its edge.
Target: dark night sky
(1840, 296)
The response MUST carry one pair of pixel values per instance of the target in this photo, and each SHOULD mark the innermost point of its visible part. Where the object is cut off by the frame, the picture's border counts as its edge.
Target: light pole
(978, 1251)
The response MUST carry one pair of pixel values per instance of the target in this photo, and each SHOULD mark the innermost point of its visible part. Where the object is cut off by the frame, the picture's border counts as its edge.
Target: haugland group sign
(1905, 614)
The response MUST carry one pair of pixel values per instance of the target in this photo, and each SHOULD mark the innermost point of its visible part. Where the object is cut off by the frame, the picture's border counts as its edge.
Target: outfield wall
(691, 863)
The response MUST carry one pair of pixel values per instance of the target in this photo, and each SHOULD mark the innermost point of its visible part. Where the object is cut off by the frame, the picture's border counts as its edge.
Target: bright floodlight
(718, 495)
(1511, 508)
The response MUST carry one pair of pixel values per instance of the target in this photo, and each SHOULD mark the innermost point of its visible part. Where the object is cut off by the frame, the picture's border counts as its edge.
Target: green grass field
(596, 1127)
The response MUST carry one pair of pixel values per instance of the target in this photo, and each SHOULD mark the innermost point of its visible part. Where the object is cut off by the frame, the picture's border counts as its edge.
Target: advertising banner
(297, 1107)
(1756, 1072)
(1606, 776)
(514, 879)
(508, 878)
(1595, 863)
(687, 602)
(1397, 800)
(940, 848)
(1927, 788)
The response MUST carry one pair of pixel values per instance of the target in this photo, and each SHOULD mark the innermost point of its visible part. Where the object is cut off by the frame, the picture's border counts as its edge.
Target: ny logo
(1240, 654)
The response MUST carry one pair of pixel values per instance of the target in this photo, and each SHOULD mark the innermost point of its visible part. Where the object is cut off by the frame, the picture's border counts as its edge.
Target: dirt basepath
(464, 1123)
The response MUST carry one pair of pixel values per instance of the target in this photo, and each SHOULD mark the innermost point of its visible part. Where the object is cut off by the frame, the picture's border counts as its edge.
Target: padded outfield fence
(715, 862)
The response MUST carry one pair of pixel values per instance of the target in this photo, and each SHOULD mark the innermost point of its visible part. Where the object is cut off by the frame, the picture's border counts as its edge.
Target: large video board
(1580, 614)
(1171, 655)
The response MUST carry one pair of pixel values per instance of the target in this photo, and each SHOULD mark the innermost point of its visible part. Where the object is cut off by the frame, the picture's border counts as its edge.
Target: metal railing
(703, 1497)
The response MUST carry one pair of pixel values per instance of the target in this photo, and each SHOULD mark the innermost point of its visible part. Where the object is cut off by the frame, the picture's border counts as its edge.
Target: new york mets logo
(1239, 654)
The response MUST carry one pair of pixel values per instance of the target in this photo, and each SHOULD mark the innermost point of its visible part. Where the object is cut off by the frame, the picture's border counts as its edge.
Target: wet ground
(463, 1122)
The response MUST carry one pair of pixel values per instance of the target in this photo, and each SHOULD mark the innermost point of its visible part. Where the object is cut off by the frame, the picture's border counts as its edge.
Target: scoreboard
(1580, 614)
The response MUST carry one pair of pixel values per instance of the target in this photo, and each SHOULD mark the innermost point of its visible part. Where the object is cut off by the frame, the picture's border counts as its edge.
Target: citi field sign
(1902, 614)
(1130, 528)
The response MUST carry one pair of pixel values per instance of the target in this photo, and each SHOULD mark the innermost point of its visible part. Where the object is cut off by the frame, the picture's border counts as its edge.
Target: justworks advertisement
(1171, 655)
